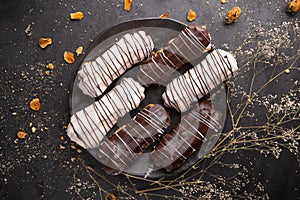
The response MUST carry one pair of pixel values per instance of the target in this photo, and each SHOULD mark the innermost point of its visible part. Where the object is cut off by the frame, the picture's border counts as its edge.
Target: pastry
(189, 45)
(120, 149)
(186, 137)
(95, 76)
(187, 89)
(89, 125)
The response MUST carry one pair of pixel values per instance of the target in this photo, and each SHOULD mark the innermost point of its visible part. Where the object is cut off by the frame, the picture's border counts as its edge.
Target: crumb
(35, 104)
(69, 57)
(76, 16)
(79, 50)
(165, 15)
(33, 129)
(28, 30)
(191, 16)
(223, 1)
(232, 15)
(44, 42)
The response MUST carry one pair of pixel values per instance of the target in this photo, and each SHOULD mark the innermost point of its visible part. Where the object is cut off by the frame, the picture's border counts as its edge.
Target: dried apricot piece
(127, 4)
(21, 134)
(165, 15)
(191, 16)
(233, 15)
(79, 50)
(76, 15)
(69, 57)
(50, 66)
(35, 104)
(44, 42)
(110, 196)
(294, 6)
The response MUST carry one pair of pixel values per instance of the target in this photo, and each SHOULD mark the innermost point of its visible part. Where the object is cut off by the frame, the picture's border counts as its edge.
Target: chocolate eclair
(186, 137)
(96, 75)
(120, 149)
(89, 125)
(189, 45)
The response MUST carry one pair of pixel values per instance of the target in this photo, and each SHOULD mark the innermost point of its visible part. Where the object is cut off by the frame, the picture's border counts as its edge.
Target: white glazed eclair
(95, 76)
(89, 125)
(188, 88)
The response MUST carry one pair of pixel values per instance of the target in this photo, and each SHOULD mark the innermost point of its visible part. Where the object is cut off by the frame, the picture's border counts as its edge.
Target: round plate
(161, 31)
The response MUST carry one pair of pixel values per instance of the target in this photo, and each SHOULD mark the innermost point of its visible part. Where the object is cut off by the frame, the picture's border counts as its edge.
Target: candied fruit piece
(165, 15)
(35, 104)
(294, 6)
(50, 66)
(127, 4)
(191, 16)
(233, 15)
(69, 57)
(21, 134)
(110, 196)
(44, 42)
(76, 16)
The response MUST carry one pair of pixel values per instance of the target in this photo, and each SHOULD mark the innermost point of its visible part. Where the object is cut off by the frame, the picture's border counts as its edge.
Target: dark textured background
(38, 167)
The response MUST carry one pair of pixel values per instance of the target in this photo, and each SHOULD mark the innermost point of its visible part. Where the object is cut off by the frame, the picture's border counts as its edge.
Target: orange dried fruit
(47, 72)
(21, 134)
(69, 57)
(165, 15)
(294, 6)
(110, 196)
(35, 104)
(191, 16)
(76, 15)
(79, 50)
(233, 15)
(44, 42)
(50, 66)
(127, 4)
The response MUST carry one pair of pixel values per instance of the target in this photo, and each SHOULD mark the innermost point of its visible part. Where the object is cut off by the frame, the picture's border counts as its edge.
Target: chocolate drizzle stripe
(211, 123)
(119, 157)
(197, 82)
(192, 35)
(126, 146)
(130, 49)
(97, 119)
(188, 46)
(193, 40)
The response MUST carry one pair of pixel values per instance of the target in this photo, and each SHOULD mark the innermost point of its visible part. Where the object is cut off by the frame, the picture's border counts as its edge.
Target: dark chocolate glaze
(186, 137)
(189, 45)
(120, 149)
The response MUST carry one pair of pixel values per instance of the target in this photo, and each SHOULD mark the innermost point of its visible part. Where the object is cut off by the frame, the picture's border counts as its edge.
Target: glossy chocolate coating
(189, 45)
(186, 137)
(119, 150)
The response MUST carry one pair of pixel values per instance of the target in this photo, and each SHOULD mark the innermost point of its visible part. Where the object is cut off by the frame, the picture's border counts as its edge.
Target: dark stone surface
(38, 167)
